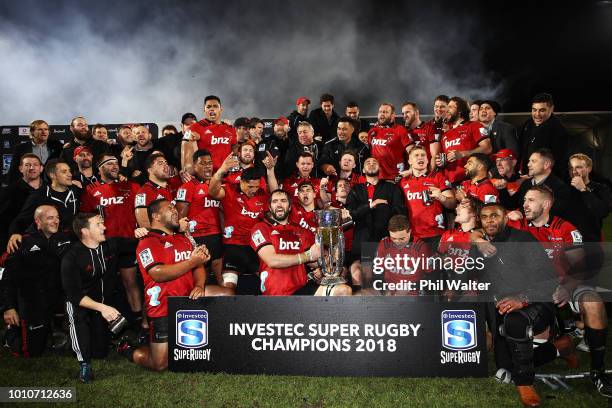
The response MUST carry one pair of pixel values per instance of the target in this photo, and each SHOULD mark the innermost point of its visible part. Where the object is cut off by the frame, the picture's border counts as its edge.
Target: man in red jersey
(246, 159)
(170, 266)
(389, 142)
(327, 185)
(194, 202)
(305, 164)
(478, 186)
(211, 134)
(243, 206)
(423, 133)
(282, 248)
(460, 140)
(158, 186)
(303, 212)
(425, 194)
(114, 201)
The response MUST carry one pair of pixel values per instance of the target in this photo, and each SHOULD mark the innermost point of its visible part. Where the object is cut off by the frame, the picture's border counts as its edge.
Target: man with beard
(371, 205)
(30, 287)
(16, 193)
(170, 266)
(426, 194)
(300, 114)
(335, 148)
(39, 145)
(61, 194)
(305, 164)
(522, 284)
(114, 201)
(158, 186)
(140, 153)
(89, 270)
(389, 142)
(305, 144)
(193, 201)
(243, 206)
(82, 137)
(282, 248)
(462, 139)
(423, 133)
(211, 134)
(362, 126)
(246, 158)
(478, 186)
(324, 119)
(86, 174)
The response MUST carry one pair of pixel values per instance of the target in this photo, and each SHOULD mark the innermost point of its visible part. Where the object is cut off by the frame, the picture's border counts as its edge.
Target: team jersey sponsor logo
(146, 257)
(191, 328)
(180, 256)
(141, 200)
(34, 248)
(97, 193)
(258, 238)
(490, 198)
(249, 213)
(284, 245)
(379, 142)
(449, 143)
(219, 140)
(167, 245)
(459, 329)
(208, 203)
(181, 194)
(111, 201)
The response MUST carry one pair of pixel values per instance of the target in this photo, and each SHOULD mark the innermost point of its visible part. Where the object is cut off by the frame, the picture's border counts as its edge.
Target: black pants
(89, 333)
(29, 339)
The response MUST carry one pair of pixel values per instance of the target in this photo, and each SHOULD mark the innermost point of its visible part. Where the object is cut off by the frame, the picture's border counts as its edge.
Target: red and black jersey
(424, 135)
(286, 239)
(165, 249)
(203, 212)
(291, 184)
(466, 136)
(482, 190)
(150, 192)
(305, 219)
(413, 261)
(348, 233)
(115, 203)
(557, 236)
(217, 138)
(241, 213)
(455, 244)
(234, 178)
(388, 146)
(353, 179)
(425, 220)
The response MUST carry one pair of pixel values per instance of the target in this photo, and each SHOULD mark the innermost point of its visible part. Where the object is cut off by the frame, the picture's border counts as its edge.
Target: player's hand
(509, 304)
(230, 162)
(378, 201)
(314, 252)
(404, 173)
(561, 296)
(122, 178)
(13, 243)
(317, 274)
(109, 313)
(191, 136)
(141, 232)
(200, 254)
(270, 161)
(435, 193)
(136, 173)
(345, 213)
(453, 155)
(127, 153)
(323, 184)
(11, 317)
(184, 224)
(515, 215)
(329, 170)
(459, 195)
(499, 184)
(486, 248)
(197, 292)
(578, 183)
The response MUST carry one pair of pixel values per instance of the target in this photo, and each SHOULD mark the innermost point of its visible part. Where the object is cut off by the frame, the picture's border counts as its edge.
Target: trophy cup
(331, 238)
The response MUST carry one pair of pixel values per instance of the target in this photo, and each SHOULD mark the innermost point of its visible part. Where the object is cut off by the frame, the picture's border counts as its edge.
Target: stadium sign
(333, 336)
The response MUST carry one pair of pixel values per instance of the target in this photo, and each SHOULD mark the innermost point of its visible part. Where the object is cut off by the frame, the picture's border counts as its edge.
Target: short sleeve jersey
(115, 203)
(150, 192)
(424, 135)
(388, 146)
(203, 211)
(159, 248)
(482, 190)
(404, 271)
(303, 218)
(241, 213)
(286, 239)
(217, 138)
(466, 136)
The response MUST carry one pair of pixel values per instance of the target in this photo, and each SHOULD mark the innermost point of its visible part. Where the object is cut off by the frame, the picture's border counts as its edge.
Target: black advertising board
(327, 336)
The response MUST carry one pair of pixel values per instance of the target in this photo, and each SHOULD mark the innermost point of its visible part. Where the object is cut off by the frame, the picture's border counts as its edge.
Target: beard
(282, 217)
(82, 136)
(371, 173)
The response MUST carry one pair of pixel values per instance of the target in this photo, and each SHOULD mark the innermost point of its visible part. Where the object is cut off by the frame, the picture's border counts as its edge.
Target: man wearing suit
(324, 119)
(503, 135)
(39, 144)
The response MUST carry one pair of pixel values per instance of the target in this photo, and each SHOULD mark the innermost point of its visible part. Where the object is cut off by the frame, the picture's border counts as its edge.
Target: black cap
(188, 115)
(494, 105)
(246, 122)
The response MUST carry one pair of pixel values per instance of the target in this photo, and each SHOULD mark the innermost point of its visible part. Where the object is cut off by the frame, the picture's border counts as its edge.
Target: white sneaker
(582, 346)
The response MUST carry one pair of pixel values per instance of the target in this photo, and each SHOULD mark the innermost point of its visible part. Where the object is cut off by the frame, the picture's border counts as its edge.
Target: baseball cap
(301, 100)
(505, 154)
(246, 122)
(80, 149)
(281, 119)
(188, 115)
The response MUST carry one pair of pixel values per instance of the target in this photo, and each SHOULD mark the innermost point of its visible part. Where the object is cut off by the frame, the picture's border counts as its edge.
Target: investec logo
(191, 334)
(459, 335)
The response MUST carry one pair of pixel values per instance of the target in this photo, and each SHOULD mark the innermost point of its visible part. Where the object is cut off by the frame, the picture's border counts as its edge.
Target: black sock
(596, 340)
(544, 353)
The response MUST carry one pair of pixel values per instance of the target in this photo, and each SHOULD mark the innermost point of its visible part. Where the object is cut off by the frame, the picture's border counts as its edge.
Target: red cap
(281, 119)
(505, 154)
(301, 100)
(79, 149)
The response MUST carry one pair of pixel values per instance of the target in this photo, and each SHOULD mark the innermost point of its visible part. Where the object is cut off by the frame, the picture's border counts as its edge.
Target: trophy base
(332, 280)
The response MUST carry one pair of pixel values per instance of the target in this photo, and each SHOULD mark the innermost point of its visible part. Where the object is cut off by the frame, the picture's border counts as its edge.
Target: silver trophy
(331, 238)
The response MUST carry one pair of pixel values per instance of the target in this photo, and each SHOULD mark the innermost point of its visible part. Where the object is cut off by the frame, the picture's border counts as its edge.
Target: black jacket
(371, 223)
(277, 148)
(293, 152)
(54, 147)
(294, 119)
(503, 136)
(322, 126)
(550, 134)
(31, 281)
(334, 148)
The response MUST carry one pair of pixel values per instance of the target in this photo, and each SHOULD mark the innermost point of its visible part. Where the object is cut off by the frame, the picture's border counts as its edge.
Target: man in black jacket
(40, 145)
(82, 137)
(503, 135)
(544, 130)
(305, 143)
(324, 119)
(30, 287)
(371, 205)
(89, 271)
(329, 162)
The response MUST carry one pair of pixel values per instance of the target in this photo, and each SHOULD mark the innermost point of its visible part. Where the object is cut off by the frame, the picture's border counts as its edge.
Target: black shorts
(241, 259)
(158, 329)
(213, 243)
(127, 252)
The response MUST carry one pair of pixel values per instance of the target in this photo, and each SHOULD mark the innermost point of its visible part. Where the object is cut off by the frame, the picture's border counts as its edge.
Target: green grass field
(119, 383)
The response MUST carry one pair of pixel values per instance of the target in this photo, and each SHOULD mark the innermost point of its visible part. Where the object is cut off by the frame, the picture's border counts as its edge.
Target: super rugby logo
(191, 328)
(459, 329)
